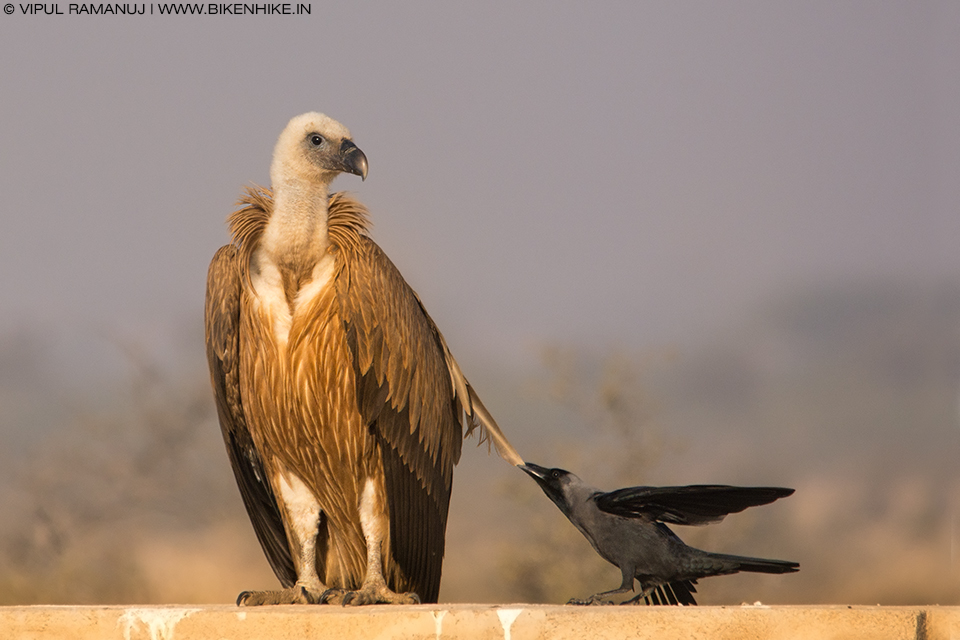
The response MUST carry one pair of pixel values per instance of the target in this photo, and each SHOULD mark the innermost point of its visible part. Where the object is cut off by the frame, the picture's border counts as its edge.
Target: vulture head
(315, 148)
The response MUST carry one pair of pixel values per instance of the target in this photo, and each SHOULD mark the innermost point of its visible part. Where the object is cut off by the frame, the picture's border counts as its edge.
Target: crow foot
(593, 600)
(368, 595)
(294, 595)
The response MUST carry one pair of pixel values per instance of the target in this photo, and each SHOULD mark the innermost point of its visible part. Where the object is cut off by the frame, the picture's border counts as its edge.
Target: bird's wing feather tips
(222, 317)
(476, 413)
(491, 430)
(393, 342)
(690, 505)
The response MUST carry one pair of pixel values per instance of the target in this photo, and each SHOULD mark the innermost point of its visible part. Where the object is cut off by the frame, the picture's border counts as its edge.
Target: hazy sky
(609, 173)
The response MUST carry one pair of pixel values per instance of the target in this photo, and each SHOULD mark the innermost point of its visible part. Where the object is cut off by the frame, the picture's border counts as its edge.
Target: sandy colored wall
(509, 622)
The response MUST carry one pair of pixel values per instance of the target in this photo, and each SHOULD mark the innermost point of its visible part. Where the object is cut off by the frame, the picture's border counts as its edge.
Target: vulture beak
(352, 159)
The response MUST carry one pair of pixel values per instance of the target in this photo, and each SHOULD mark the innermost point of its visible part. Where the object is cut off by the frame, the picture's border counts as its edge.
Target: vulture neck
(296, 236)
(292, 263)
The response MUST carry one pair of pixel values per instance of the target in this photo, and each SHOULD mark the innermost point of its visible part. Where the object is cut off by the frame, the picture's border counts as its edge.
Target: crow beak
(535, 471)
(549, 485)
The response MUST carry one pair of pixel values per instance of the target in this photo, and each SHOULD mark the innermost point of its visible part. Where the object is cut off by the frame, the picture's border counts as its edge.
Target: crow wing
(692, 505)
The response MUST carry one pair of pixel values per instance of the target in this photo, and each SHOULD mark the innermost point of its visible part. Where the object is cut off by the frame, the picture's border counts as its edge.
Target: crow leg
(627, 572)
(645, 596)
(375, 522)
(663, 594)
(302, 519)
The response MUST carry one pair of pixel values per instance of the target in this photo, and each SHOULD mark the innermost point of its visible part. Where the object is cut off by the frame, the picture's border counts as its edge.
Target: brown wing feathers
(409, 391)
(222, 336)
(403, 394)
(417, 525)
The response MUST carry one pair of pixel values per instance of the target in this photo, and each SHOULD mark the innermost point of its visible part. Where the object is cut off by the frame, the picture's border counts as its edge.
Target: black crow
(627, 528)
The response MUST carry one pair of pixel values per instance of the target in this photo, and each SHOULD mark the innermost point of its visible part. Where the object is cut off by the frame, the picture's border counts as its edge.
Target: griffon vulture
(340, 404)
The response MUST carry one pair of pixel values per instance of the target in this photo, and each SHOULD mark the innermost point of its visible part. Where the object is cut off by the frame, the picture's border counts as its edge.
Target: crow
(627, 528)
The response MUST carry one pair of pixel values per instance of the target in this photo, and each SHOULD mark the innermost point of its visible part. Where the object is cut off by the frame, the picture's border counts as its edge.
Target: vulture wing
(221, 320)
(694, 504)
(405, 395)
(412, 394)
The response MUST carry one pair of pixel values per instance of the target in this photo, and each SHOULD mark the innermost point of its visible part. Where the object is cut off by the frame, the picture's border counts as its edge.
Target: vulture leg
(303, 517)
(375, 522)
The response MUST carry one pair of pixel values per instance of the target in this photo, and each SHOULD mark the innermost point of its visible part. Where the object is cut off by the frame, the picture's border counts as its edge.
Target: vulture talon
(333, 596)
(297, 594)
(378, 595)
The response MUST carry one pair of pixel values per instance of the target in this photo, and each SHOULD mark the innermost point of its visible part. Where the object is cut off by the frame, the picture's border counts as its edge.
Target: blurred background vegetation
(848, 393)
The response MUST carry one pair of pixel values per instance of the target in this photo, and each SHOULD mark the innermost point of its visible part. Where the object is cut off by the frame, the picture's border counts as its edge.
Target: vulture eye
(316, 139)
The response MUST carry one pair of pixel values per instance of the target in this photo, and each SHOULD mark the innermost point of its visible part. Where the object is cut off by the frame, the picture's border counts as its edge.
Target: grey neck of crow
(572, 495)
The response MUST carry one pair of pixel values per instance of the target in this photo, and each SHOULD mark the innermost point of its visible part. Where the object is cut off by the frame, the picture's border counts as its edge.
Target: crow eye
(554, 474)
(316, 139)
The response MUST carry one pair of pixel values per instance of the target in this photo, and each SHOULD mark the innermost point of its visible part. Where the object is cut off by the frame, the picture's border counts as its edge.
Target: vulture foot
(294, 595)
(333, 595)
(369, 595)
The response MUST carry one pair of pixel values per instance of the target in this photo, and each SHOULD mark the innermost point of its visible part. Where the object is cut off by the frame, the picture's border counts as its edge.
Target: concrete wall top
(456, 622)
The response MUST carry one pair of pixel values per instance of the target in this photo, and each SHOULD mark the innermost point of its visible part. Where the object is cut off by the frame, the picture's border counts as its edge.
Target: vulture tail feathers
(490, 430)
(477, 414)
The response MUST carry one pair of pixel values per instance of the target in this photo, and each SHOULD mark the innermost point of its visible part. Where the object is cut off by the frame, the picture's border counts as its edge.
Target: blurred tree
(82, 501)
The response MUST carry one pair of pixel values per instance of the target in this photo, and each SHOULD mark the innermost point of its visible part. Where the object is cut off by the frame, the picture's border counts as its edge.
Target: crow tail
(757, 565)
(680, 592)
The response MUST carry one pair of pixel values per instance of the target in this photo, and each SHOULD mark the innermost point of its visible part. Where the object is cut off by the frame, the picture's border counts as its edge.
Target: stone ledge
(456, 621)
